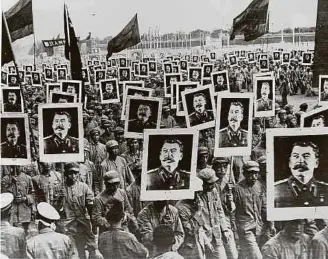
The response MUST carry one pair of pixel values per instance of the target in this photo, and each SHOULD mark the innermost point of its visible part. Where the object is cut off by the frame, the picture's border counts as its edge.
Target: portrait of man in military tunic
(264, 89)
(315, 118)
(72, 87)
(12, 100)
(109, 91)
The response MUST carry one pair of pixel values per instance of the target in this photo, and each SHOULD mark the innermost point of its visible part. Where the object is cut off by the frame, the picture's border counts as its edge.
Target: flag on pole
(253, 21)
(128, 37)
(20, 19)
(7, 54)
(72, 51)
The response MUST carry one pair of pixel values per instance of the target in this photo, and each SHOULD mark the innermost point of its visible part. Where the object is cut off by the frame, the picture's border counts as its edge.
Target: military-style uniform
(9, 107)
(55, 145)
(160, 179)
(291, 193)
(139, 126)
(323, 96)
(196, 118)
(9, 151)
(262, 105)
(229, 138)
(107, 96)
(219, 88)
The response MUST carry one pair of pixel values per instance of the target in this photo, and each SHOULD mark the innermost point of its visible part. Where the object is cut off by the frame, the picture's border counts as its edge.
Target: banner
(53, 43)
(6, 50)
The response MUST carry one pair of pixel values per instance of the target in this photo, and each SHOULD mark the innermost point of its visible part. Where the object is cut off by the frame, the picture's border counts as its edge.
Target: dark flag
(253, 21)
(20, 19)
(128, 37)
(72, 51)
(6, 50)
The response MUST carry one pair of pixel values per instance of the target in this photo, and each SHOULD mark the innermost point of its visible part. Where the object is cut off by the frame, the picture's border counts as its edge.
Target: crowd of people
(93, 208)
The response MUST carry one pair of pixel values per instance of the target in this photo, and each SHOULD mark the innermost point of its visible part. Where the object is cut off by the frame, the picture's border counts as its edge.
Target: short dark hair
(174, 141)
(200, 94)
(163, 235)
(13, 122)
(308, 144)
(238, 104)
(116, 212)
(62, 113)
(319, 117)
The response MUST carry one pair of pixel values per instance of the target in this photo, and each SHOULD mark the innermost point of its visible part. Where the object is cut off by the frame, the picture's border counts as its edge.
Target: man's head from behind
(12, 132)
(199, 102)
(303, 159)
(111, 181)
(171, 154)
(116, 212)
(163, 237)
(235, 115)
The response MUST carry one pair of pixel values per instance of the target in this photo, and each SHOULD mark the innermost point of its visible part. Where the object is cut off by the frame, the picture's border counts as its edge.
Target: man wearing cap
(202, 158)
(134, 155)
(292, 121)
(117, 243)
(282, 115)
(48, 244)
(169, 176)
(78, 209)
(143, 119)
(108, 133)
(201, 114)
(12, 104)
(119, 137)
(87, 169)
(319, 245)
(167, 120)
(207, 140)
(301, 189)
(250, 200)
(104, 201)
(117, 163)
(12, 239)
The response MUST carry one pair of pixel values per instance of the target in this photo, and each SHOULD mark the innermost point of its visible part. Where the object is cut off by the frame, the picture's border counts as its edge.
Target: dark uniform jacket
(263, 105)
(291, 193)
(55, 145)
(160, 179)
(323, 96)
(196, 118)
(107, 96)
(229, 138)
(139, 126)
(219, 88)
(9, 151)
(8, 107)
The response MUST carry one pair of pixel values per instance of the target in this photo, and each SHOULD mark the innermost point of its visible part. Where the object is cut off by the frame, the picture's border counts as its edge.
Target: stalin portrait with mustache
(143, 120)
(200, 114)
(12, 105)
(169, 176)
(60, 141)
(12, 148)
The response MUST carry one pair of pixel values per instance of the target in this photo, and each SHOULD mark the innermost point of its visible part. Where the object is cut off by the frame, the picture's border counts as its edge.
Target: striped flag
(6, 50)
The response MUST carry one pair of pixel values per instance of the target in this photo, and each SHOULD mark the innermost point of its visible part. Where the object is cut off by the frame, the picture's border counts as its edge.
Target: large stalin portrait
(169, 176)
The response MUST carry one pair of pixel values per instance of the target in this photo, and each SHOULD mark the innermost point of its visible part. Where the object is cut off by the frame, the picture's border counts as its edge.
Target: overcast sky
(108, 17)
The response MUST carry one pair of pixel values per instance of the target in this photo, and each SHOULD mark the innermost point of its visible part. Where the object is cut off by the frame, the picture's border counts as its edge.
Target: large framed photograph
(180, 87)
(12, 100)
(265, 94)
(109, 91)
(207, 70)
(323, 89)
(195, 74)
(143, 69)
(72, 87)
(142, 113)
(15, 144)
(62, 97)
(61, 132)
(317, 118)
(169, 164)
(170, 79)
(307, 59)
(52, 87)
(233, 61)
(199, 107)
(297, 180)
(220, 80)
(124, 74)
(233, 128)
(61, 74)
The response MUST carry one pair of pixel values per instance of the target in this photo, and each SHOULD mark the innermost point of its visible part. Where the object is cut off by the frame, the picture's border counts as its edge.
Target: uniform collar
(60, 141)
(233, 134)
(164, 174)
(297, 187)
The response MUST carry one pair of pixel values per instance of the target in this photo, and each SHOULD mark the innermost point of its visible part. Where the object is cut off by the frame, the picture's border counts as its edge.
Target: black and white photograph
(28, 69)
(12, 100)
(297, 180)
(285, 58)
(276, 56)
(207, 70)
(213, 56)
(251, 57)
(52, 87)
(233, 129)
(48, 73)
(85, 75)
(307, 59)
(122, 62)
(233, 61)
(264, 65)
(142, 113)
(143, 69)
(12, 70)
(180, 87)
(62, 97)
(220, 81)
(21, 76)
(61, 74)
(28, 80)
(169, 164)
(124, 74)
(13, 80)
(170, 79)
(184, 65)
(61, 132)
(317, 118)
(72, 87)
(15, 144)
(152, 67)
(109, 91)
(195, 74)
(175, 69)
(36, 78)
(323, 89)
(199, 107)
(264, 90)
(264, 56)
(167, 68)
(100, 75)
(4, 79)
(195, 59)
(237, 53)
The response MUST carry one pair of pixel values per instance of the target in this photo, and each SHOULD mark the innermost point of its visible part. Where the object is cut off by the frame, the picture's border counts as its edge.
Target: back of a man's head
(163, 236)
(116, 212)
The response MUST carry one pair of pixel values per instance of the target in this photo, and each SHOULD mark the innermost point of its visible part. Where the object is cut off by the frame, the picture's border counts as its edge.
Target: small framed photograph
(13, 80)
(213, 56)
(237, 53)
(64, 66)
(143, 69)
(184, 65)
(195, 74)
(62, 97)
(72, 87)
(195, 59)
(136, 70)
(243, 54)
(61, 132)
(36, 78)
(100, 75)
(175, 69)
(323, 89)
(12, 70)
(297, 182)
(220, 80)
(4, 78)
(85, 75)
(28, 69)
(48, 73)
(28, 80)
(285, 58)
(233, 129)
(307, 59)
(233, 60)
(170, 79)
(264, 56)
(264, 65)
(265, 94)
(142, 113)
(167, 152)
(21, 76)
(96, 62)
(91, 70)
(109, 91)
(122, 62)
(152, 67)
(62, 74)
(98, 68)
(180, 87)
(52, 87)
(124, 74)
(15, 142)
(167, 68)
(317, 118)
(12, 100)
(199, 107)
(207, 70)
(276, 56)
(251, 57)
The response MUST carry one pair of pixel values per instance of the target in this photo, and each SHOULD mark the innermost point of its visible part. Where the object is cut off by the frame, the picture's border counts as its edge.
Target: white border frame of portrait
(156, 69)
(233, 65)
(178, 112)
(57, 74)
(320, 89)
(48, 91)
(64, 157)
(310, 113)
(79, 95)
(115, 100)
(142, 64)
(205, 125)
(234, 151)
(45, 73)
(33, 73)
(62, 93)
(282, 58)
(129, 73)
(165, 82)
(88, 73)
(2, 99)
(150, 92)
(307, 64)
(129, 134)
(227, 77)
(99, 70)
(266, 69)
(276, 60)
(294, 212)
(269, 113)
(156, 195)
(200, 74)
(203, 70)
(254, 58)
(19, 161)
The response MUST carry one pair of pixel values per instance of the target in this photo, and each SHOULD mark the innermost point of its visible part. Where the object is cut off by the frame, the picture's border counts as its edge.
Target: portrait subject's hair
(238, 104)
(174, 141)
(62, 113)
(308, 144)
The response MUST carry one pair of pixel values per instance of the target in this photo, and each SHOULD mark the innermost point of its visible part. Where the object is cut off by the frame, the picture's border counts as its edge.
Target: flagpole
(34, 39)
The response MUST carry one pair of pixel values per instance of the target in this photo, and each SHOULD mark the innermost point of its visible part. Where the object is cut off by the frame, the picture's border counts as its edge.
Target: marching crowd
(93, 208)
